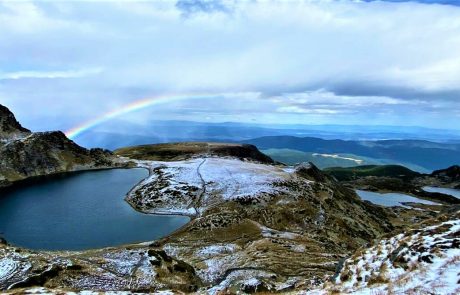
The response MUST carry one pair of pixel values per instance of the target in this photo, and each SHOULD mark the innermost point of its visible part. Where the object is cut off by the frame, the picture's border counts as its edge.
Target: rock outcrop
(9, 126)
(24, 154)
(449, 175)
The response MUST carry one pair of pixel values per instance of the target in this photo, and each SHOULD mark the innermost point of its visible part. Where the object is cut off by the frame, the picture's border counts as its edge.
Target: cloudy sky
(307, 62)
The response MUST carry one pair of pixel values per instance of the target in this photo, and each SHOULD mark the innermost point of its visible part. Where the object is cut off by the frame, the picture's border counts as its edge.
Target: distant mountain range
(412, 153)
(119, 133)
(420, 149)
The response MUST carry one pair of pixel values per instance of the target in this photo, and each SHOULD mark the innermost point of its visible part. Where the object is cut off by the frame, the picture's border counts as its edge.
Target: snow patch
(414, 262)
(213, 250)
(7, 268)
(189, 187)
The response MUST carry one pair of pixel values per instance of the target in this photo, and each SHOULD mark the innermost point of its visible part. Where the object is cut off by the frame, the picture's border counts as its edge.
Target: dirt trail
(199, 201)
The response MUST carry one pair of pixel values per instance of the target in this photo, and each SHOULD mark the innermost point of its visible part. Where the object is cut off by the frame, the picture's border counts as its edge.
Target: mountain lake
(78, 211)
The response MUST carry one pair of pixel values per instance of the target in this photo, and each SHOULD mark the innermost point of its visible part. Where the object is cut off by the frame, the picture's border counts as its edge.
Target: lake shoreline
(102, 203)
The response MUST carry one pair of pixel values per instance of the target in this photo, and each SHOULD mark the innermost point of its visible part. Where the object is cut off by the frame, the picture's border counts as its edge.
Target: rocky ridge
(449, 176)
(24, 154)
(10, 128)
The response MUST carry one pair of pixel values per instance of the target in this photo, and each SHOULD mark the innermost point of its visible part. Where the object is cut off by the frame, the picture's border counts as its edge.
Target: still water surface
(80, 211)
(443, 190)
(390, 199)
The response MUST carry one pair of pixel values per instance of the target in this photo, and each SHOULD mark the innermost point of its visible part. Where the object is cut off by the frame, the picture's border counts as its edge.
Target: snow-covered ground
(233, 178)
(7, 268)
(334, 156)
(46, 291)
(423, 261)
(188, 187)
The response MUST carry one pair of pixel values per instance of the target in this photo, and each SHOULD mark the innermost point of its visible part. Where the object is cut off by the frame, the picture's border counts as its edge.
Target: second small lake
(80, 211)
(443, 190)
(391, 199)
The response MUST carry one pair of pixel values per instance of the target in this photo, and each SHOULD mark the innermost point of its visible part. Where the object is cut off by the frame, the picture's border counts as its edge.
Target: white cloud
(304, 57)
(323, 97)
(303, 110)
(440, 75)
(50, 74)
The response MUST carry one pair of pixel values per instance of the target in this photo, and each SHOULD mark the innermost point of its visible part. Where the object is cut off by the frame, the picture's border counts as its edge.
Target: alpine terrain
(256, 226)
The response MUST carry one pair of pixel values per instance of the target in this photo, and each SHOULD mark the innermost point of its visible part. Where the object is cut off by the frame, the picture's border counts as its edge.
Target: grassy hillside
(351, 173)
(185, 150)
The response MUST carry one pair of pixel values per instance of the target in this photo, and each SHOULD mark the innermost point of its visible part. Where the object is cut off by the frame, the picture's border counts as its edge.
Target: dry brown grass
(402, 280)
(452, 261)
(377, 280)
(437, 285)
(383, 268)
(335, 291)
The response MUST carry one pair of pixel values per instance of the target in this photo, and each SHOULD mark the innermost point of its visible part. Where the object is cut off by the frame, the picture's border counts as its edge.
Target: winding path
(199, 201)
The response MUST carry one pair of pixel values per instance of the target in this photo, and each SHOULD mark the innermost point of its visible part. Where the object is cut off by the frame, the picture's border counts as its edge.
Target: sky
(63, 63)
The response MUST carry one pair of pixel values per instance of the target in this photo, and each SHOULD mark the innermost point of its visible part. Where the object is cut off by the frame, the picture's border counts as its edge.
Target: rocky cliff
(9, 126)
(24, 154)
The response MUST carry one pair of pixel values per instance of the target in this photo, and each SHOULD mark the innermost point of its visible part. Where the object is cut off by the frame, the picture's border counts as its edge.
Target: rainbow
(128, 108)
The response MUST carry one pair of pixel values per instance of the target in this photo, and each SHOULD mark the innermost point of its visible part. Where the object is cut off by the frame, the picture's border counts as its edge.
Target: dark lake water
(443, 190)
(80, 211)
(390, 199)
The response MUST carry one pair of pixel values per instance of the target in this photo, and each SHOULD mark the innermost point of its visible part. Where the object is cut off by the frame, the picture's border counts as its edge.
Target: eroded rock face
(9, 126)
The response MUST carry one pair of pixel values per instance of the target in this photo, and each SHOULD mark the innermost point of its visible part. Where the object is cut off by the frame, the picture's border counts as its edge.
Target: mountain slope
(424, 260)
(449, 175)
(24, 154)
(255, 226)
(351, 173)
